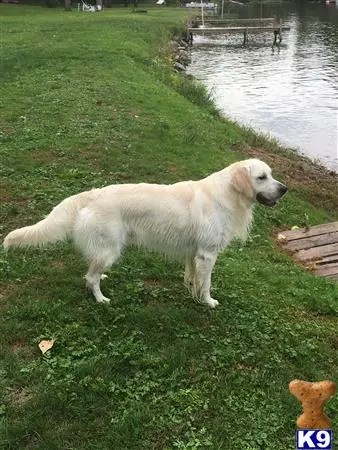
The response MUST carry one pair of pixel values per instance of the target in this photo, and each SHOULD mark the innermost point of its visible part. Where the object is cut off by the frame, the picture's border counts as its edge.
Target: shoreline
(317, 182)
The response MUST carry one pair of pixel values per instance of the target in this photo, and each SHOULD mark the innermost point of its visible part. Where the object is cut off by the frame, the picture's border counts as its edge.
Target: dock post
(279, 34)
(275, 38)
(245, 41)
(189, 37)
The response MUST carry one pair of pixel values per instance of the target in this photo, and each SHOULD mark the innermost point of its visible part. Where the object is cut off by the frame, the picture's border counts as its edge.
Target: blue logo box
(314, 439)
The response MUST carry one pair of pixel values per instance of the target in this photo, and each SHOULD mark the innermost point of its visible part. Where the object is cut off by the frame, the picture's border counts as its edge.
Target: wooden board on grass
(316, 247)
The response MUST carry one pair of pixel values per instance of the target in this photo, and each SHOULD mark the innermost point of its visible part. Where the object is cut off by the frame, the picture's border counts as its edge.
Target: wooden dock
(225, 30)
(315, 247)
(245, 26)
(210, 20)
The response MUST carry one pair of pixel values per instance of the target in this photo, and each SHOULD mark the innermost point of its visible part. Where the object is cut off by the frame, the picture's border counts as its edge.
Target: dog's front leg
(189, 273)
(203, 265)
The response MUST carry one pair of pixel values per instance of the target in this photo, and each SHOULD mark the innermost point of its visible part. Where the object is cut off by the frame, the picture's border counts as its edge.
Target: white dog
(191, 220)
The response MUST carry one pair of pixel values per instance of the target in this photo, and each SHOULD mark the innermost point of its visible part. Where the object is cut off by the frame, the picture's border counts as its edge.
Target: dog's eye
(263, 177)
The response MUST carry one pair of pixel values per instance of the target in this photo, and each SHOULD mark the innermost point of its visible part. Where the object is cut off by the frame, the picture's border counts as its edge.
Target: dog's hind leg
(101, 243)
(95, 273)
(93, 278)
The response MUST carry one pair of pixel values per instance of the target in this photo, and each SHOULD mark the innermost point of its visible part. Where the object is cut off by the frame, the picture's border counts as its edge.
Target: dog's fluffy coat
(191, 220)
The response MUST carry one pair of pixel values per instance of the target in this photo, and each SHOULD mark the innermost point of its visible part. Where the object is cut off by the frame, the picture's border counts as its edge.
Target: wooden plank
(314, 241)
(334, 276)
(317, 252)
(315, 247)
(308, 232)
(236, 29)
(327, 259)
(328, 269)
(241, 20)
(238, 21)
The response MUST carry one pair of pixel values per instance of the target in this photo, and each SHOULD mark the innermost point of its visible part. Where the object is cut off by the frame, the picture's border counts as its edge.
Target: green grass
(88, 100)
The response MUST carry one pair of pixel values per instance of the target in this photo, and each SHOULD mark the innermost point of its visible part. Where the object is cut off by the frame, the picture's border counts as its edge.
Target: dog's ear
(241, 181)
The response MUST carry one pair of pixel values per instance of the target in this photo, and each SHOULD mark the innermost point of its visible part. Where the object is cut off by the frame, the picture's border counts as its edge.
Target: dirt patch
(11, 192)
(121, 176)
(6, 291)
(318, 184)
(314, 317)
(334, 342)
(58, 264)
(23, 350)
(7, 130)
(20, 345)
(20, 397)
(152, 303)
(152, 283)
(172, 168)
(246, 368)
(135, 113)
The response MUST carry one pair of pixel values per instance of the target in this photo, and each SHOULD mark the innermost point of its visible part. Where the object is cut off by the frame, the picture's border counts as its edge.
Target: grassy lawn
(87, 100)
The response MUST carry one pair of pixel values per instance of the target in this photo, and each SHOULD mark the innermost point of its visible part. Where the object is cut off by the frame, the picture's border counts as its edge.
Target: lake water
(290, 93)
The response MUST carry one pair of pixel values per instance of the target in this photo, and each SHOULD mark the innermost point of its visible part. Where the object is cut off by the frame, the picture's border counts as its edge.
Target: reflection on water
(291, 92)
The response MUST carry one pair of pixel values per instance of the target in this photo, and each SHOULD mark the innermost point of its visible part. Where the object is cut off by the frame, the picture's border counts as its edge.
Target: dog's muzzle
(269, 201)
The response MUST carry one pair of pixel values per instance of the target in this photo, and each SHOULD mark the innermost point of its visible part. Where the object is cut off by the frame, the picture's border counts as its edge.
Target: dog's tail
(57, 226)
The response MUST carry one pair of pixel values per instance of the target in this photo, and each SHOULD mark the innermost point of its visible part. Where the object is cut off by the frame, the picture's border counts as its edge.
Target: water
(290, 93)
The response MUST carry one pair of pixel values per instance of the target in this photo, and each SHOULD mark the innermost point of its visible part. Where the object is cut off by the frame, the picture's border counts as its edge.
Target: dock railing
(211, 26)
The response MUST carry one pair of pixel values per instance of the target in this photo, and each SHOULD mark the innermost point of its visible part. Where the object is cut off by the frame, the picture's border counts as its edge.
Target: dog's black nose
(282, 189)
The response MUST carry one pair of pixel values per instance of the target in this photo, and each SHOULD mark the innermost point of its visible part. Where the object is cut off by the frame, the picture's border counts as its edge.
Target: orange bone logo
(313, 396)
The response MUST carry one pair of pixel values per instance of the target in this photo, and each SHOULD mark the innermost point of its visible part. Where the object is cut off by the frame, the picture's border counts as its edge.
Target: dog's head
(252, 178)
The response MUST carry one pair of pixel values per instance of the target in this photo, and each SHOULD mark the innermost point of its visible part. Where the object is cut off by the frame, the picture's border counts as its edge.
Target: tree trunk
(68, 5)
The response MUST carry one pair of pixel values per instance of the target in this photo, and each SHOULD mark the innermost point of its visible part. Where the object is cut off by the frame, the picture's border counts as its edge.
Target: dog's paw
(104, 276)
(103, 299)
(212, 303)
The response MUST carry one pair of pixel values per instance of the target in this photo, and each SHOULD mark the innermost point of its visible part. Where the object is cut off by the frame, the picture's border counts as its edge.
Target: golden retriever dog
(190, 220)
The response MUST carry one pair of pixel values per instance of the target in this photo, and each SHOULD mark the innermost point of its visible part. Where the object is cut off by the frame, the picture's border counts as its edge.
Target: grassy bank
(87, 100)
